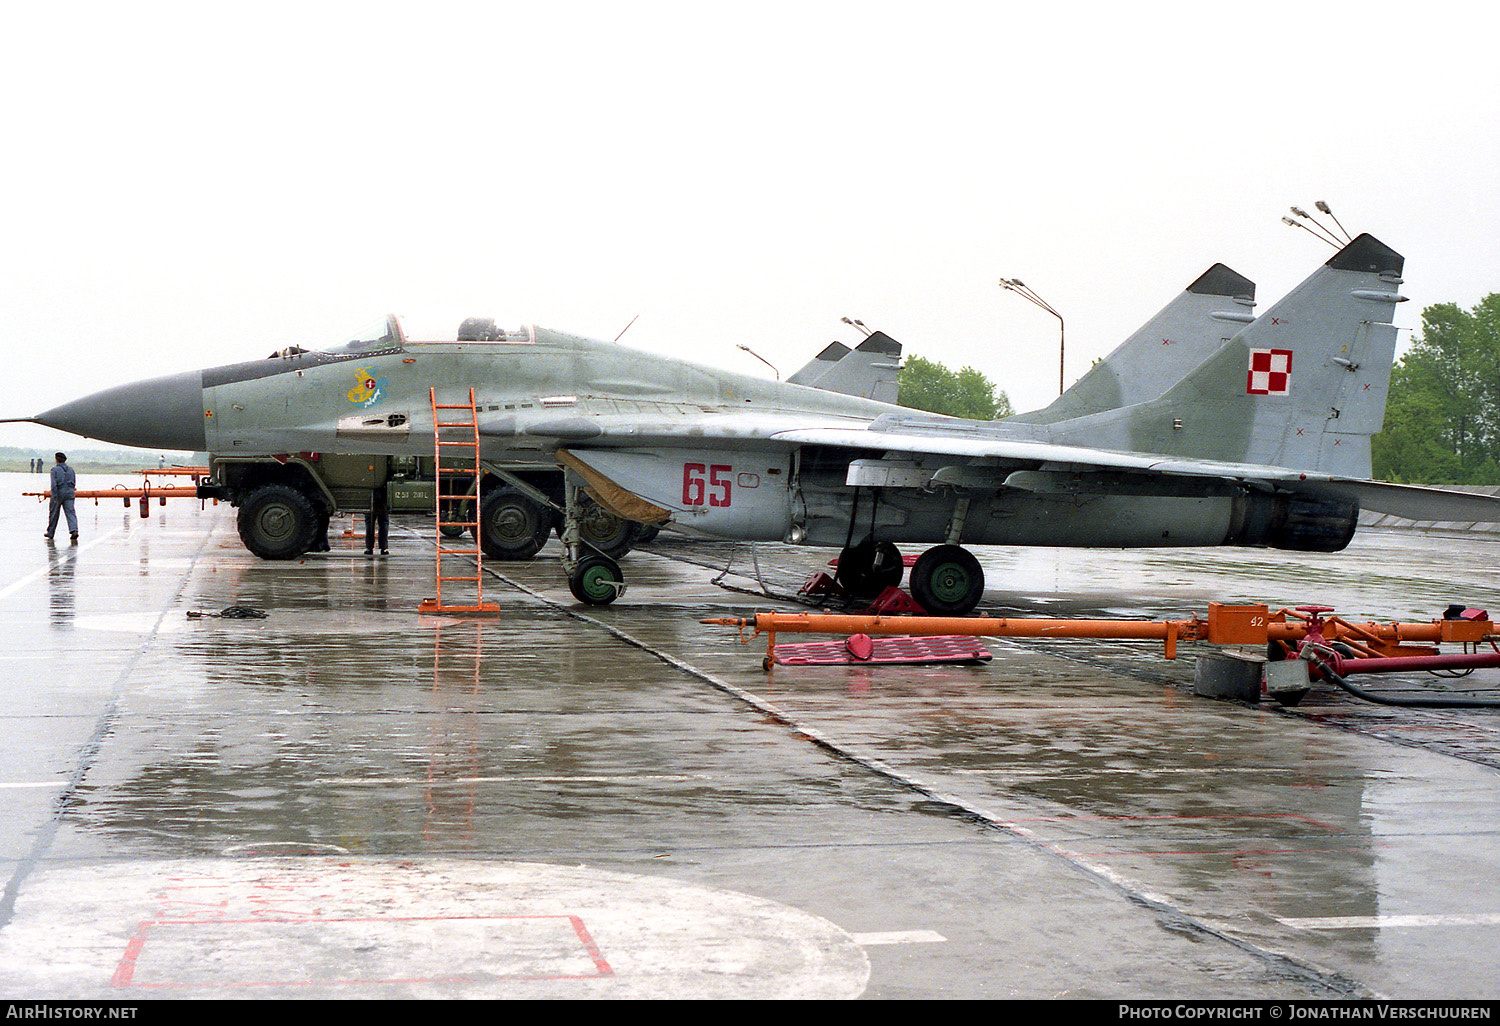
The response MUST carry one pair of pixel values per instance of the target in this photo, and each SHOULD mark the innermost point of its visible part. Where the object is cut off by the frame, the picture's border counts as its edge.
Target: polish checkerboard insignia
(1270, 372)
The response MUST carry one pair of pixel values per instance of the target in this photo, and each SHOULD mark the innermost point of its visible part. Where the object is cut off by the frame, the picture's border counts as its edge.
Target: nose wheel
(596, 580)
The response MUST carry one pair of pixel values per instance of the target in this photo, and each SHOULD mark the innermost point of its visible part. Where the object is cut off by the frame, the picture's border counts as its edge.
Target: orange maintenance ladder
(456, 443)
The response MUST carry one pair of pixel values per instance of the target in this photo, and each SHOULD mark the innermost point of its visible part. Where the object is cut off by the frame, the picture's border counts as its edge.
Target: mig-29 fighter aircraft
(285, 499)
(1262, 441)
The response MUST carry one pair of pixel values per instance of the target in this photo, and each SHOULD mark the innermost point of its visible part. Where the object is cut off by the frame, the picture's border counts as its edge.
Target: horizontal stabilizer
(1419, 502)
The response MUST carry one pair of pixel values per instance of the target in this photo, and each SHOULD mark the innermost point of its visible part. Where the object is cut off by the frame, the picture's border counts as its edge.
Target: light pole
(763, 360)
(1021, 289)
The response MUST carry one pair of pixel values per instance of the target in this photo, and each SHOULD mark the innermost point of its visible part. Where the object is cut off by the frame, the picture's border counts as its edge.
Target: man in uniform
(64, 485)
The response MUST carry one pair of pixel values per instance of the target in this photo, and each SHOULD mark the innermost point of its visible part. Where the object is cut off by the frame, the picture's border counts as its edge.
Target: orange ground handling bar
(1237, 625)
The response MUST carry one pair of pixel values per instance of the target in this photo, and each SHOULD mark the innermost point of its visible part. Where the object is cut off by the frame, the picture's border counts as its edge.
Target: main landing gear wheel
(276, 521)
(947, 581)
(869, 568)
(593, 580)
(512, 525)
(602, 530)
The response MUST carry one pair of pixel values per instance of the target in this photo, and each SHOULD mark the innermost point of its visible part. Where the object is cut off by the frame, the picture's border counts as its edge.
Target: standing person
(377, 520)
(64, 486)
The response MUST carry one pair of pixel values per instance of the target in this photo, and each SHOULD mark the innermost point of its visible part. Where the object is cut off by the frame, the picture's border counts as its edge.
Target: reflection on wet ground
(1067, 820)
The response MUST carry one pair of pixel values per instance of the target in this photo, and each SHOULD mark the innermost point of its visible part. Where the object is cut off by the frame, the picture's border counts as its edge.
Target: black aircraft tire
(276, 521)
(589, 581)
(603, 531)
(512, 526)
(947, 581)
(869, 568)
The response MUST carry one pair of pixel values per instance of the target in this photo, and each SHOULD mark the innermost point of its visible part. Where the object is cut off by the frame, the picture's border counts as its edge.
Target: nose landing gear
(594, 578)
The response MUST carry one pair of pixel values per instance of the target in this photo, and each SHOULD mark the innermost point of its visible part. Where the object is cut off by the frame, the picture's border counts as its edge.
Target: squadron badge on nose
(370, 390)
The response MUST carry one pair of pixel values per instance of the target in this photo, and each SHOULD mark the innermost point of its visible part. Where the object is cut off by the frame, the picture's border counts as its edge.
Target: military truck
(285, 502)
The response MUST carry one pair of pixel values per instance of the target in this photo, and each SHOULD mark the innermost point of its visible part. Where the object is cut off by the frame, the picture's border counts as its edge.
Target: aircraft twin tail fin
(1204, 316)
(830, 355)
(868, 371)
(1304, 386)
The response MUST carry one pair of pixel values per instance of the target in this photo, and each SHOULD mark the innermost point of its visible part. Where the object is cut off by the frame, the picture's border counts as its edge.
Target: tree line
(1442, 421)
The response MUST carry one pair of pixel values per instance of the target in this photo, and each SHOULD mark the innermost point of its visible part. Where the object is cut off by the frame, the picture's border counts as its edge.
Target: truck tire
(276, 521)
(512, 526)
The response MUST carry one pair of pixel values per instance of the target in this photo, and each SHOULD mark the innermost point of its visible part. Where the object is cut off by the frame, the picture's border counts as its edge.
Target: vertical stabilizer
(1185, 332)
(1304, 386)
(868, 371)
(831, 354)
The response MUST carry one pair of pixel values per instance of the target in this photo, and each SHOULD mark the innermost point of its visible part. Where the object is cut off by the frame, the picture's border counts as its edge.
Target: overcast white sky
(194, 184)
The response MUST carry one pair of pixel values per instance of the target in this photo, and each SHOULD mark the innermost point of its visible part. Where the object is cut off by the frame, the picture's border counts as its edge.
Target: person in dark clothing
(377, 521)
(64, 486)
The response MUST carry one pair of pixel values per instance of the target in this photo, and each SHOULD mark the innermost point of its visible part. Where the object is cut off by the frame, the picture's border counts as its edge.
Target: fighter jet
(1264, 441)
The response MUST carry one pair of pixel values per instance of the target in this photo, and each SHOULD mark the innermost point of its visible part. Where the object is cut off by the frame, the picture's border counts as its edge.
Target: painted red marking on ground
(125, 971)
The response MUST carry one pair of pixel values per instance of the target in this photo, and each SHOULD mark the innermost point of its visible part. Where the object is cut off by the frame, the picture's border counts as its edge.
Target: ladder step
(458, 504)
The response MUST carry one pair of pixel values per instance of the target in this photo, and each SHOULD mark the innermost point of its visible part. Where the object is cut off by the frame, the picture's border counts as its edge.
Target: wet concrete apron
(346, 799)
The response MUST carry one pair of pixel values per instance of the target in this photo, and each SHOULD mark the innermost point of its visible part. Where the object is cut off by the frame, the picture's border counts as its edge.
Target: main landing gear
(946, 580)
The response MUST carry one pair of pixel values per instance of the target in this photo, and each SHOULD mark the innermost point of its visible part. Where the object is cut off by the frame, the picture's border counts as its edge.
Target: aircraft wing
(1414, 502)
(979, 448)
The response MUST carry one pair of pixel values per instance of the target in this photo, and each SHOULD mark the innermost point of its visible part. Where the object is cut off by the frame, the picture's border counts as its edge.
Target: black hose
(1416, 703)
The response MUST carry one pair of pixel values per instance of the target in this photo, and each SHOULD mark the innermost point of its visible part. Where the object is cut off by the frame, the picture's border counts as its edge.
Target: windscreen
(382, 334)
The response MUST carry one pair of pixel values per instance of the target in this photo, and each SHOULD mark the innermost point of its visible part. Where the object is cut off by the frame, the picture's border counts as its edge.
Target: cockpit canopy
(395, 331)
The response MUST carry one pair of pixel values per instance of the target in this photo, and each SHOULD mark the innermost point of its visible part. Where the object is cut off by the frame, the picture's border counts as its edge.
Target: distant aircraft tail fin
(868, 371)
(831, 354)
(1185, 332)
(1303, 387)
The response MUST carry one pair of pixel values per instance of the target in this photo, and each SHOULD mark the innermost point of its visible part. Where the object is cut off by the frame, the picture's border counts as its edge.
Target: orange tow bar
(125, 494)
(1224, 625)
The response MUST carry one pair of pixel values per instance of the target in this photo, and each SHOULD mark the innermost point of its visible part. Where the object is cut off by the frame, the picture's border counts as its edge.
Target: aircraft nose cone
(162, 413)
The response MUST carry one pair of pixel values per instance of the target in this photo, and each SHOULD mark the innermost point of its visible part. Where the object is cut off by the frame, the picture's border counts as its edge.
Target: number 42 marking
(703, 483)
